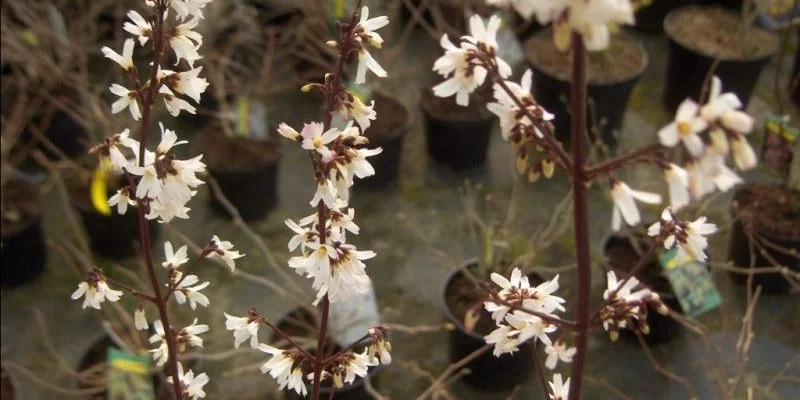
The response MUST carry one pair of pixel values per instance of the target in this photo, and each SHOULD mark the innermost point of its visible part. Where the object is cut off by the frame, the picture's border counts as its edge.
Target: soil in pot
(488, 372)
(611, 76)
(113, 236)
(301, 323)
(23, 252)
(458, 136)
(697, 36)
(772, 213)
(246, 170)
(621, 257)
(386, 132)
(6, 386)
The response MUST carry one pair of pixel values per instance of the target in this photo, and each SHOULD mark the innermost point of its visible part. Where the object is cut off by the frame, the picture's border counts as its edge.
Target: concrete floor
(406, 274)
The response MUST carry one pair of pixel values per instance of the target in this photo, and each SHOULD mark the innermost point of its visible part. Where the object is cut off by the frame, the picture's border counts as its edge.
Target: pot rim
(632, 77)
(672, 14)
(423, 105)
(443, 298)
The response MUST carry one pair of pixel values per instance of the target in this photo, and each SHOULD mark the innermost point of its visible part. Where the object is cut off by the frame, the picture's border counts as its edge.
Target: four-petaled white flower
(243, 328)
(174, 103)
(558, 351)
(223, 250)
(345, 369)
(94, 291)
(315, 139)
(685, 127)
(185, 42)
(678, 186)
(127, 99)
(192, 385)
(187, 82)
(365, 32)
(510, 114)
(560, 388)
(282, 368)
(625, 206)
(690, 237)
(359, 111)
(121, 199)
(140, 27)
(185, 291)
(126, 59)
(173, 258)
(139, 319)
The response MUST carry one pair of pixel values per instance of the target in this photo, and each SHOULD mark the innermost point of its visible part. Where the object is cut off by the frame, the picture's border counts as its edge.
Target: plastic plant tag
(691, 282)
(128, 377)
(351, 319)
(779, 142)
(98, 189)
(251, 118)
(777, 14)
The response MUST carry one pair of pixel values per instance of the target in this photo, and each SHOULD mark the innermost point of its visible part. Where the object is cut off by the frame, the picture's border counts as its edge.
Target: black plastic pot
(606, 101)
(488, 372)
(23, 254)
(387, 162)
(650, 19)
(252, 191)
(739, 254)
(460, 141)
(687, 69)
(113, 236)
(662, 328)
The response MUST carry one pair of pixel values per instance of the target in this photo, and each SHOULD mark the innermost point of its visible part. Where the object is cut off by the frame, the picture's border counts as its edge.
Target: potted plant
(612, 74)
(699, 35)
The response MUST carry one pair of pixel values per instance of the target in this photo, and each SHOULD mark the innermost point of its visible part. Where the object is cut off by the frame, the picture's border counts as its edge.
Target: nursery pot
(23, 252)
(386, 132)
(457, 136)
(113, 236)
(695, 34)
(772, 213)
(488, 372)
(246, 171)
(621, 257)
(353, 391)
(610, 80)
(650, 18)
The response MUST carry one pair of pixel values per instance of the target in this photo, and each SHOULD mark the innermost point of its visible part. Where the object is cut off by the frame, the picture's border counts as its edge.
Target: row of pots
(506, 372)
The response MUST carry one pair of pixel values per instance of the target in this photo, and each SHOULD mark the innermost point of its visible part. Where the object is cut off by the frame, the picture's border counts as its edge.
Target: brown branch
(452, 369)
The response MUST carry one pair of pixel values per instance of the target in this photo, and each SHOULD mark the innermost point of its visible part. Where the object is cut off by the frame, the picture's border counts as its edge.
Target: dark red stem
(581, 212)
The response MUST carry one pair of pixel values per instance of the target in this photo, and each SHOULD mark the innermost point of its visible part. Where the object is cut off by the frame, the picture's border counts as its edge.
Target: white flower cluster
(690, 237)
(364, 32)
(709, 133)
(186, 337)
(95, 290)
(520, 325)
(335, 266)
(192, 385)
(590, 18)
(465, 66)
(517, 327)
(626, 308)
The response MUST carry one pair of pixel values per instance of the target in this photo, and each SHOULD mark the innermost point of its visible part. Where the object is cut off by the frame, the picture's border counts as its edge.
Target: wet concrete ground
(408, 275)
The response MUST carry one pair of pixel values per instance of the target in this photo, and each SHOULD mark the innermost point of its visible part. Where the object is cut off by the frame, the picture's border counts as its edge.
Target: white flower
(558, 351)
(183, 291)
(122, 200)
(126, 59)
(127, 99)
(625, 206)
(185, 42)
(288, 132)
(678, 185)
(315, 264)
(625, 292)
(345, 369)
(186, 82)
(690, 237)
(518, 290)
(359, 111)
(348, 278)
(192, 385)
(140, 27)
(560, 389)
(509, 112)
(380, 348)
(712, 172)
(365, 31)
(720, 103)
(168, 140)
(160, 353)
(94, 291)
(280, 367)
(315, 139)
(591, 18)
(224, 252)
(719, 140)
(521, 327)
(685, 128)
(188, 8)
(173, 258)
(326, 193)
(139, 319)
(243, 328)
(174, 103)
(743, 155)
(186, 336)
(737, 121)
(503, 339)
